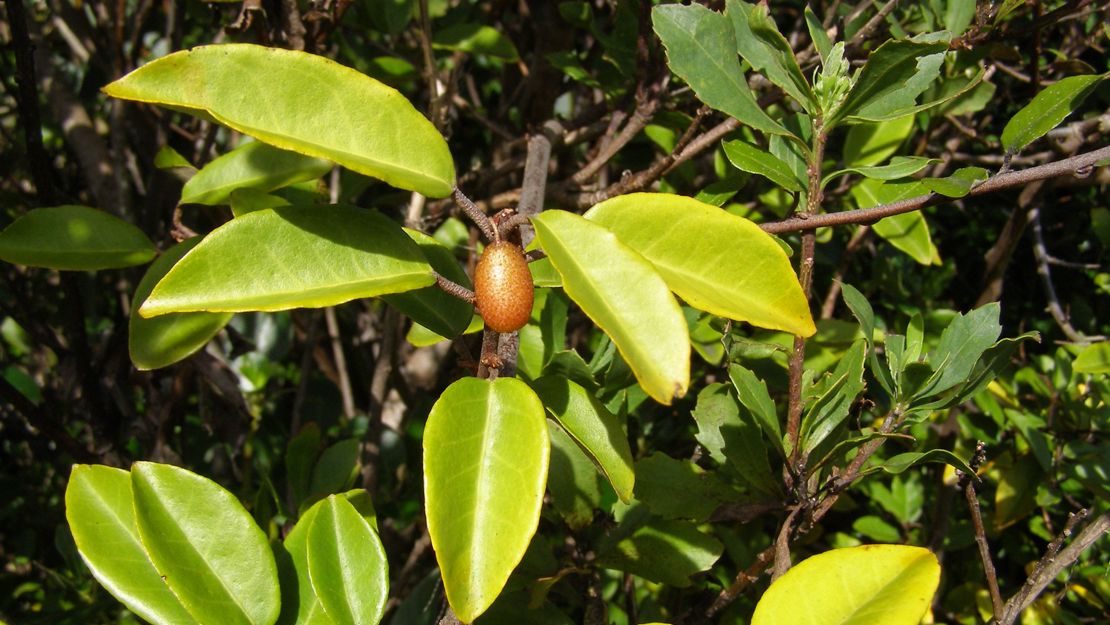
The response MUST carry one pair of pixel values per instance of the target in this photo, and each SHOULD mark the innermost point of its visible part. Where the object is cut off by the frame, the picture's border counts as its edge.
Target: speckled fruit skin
(503, 287)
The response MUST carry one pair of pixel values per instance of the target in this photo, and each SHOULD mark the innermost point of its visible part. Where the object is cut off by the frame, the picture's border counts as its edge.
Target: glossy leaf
(763, 46)
(431, 307)
(164, 340)
(102, 520)
(697, 40)
(1047, 109)
(894, 75)
(253, 165)
(1095, 358)
(645, 322)
(299, 603)
(661, 550)
(893, 584)
(476, 39)
(898, 167)
(225, 576)
(755, 160)
(486, 456)
(593, 427)
(304, 103)
(247, 200)
(347, 564)
(712, 259)
(291, 257)
(75, 238)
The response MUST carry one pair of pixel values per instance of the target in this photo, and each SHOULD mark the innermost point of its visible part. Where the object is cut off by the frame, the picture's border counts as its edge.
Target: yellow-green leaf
(486, 456)
(291, 257)
(1094, 358)
(714, 260)
(625, 296)
(891, 584)
(253, 165)
(304, 103)
(75, 238)
(166, 339)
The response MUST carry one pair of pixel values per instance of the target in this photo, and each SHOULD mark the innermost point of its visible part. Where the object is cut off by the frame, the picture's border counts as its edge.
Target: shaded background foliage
(593, 78)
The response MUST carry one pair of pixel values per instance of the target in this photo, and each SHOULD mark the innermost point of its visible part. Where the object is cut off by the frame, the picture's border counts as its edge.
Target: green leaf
(1095, 358)
(961, 344)
(248, 200)
(678, 489)
(698, 41)
(756, 160)
(486, 456)
(431, 307)
(1047, 109)
(898, 167)
(290, 257)
(958, 184)
(894, 75)
(75, 238)
(645, 322)
(253, 165)
(901, 462)
(712, 259)
(347, 564)
(300, 458)
(573, 480)
(102, 520)
(753, 394)
(661, 550)
(593, 427)
(336, 469)
(852, 586)
(476, 39)
(834, 398)
(169, 158)
(870, 144)
(863, 313)
(207, 548)
(761, 44)
(732, 437)
(875, 528)
(299, 603)
(304, 103)
(164, 340)
(817, 33)
(909, 232)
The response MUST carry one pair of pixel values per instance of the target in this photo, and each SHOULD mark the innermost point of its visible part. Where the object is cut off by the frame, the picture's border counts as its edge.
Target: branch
(28, 101)
(1079, 165)
(968, 483)
(1040, 253)
(1053, 563)
(476, 215)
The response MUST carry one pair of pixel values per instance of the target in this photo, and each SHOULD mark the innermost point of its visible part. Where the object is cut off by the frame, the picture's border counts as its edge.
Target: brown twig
(1075, 165)
(1053, 563)
(1040, 253)
(967, 482)
(453, 288)
(476, 215)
